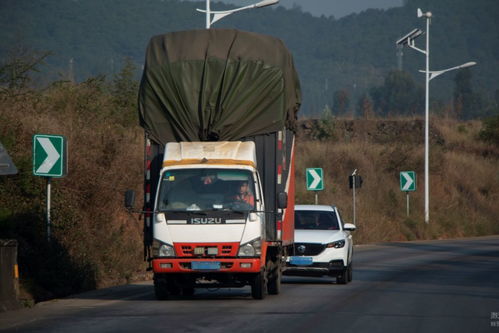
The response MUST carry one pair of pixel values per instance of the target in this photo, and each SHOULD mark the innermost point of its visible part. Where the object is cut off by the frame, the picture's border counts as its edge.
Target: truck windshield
(318, 220)
(206, 189)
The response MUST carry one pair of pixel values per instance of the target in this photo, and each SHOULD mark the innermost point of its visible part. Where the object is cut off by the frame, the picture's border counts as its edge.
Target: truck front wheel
(161, 290)
(259, 286)
(165, 288)
(187, 291)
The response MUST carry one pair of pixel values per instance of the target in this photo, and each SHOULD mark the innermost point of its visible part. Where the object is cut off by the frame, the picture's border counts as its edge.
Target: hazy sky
(337, 8)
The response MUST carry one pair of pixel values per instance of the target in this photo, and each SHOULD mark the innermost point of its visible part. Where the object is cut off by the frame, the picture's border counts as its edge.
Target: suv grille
(308, 249)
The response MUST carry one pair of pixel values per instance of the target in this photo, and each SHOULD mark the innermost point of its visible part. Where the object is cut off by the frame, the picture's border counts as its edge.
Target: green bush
(490, 130)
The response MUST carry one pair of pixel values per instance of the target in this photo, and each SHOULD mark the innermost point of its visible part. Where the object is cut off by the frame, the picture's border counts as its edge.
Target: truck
(219, 110)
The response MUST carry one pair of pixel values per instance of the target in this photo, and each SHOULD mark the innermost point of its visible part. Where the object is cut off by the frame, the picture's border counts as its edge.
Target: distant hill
(327, 7)
(353, 54)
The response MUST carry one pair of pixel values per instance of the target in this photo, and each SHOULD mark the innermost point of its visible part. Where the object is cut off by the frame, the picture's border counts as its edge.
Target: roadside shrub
(490, 130)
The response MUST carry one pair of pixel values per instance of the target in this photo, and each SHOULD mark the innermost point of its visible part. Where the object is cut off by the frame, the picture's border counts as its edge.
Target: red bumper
(183, 265)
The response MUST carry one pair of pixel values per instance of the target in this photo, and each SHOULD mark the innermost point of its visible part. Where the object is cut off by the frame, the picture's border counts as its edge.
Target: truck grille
(206, 250)
(308, 249)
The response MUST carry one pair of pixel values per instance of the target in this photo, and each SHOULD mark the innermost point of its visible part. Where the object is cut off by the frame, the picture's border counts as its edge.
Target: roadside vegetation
(96, 243)
(464, 175)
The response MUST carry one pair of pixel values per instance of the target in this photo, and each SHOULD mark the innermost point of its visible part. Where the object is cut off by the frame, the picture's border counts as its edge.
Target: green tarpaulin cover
(217, 84)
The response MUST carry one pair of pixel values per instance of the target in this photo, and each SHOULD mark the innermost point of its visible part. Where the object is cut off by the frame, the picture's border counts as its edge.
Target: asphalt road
(437, 286)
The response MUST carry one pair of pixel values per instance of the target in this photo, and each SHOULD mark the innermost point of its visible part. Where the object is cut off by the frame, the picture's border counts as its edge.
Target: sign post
(355, 181)
(315, 181)
(407, 184)
(49, 160)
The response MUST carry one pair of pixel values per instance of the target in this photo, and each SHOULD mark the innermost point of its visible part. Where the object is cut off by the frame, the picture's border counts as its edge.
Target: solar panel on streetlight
(410, 36)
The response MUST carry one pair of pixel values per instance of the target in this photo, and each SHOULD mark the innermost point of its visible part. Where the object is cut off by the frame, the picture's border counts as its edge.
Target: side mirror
(282, 200)
(349, 227)
(129, 199)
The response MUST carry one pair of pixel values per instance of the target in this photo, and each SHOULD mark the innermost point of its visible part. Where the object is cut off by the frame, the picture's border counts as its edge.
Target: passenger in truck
(244, 194)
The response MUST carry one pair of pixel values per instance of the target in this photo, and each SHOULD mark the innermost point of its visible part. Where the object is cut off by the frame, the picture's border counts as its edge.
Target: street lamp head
(410, 36)
(218, 14)
(468, 64)
(266, 3)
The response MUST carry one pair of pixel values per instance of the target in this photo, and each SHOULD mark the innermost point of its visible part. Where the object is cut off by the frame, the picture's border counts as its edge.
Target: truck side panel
(274, 157)
(288, 220)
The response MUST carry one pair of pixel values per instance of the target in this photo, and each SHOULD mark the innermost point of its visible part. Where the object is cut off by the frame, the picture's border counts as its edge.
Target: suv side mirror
(282, 200)
(349, 227)
(129, 199)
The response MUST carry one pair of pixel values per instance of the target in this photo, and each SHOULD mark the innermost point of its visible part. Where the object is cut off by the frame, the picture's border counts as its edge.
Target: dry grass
(464, 177)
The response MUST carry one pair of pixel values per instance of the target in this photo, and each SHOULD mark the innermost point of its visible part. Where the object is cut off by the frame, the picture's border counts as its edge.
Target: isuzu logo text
(206, 220)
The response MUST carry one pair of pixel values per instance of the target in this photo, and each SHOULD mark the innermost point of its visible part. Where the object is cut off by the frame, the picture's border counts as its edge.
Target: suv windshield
(206, 189)
(316, 220)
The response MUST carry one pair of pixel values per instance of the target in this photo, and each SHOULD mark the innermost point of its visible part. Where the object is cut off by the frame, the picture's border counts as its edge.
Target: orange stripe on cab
(206, 161)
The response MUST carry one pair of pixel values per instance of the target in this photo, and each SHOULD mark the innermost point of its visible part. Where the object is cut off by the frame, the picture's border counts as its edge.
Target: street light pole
(409, 41)
(427, 124)
(208, 14)
(217, 15)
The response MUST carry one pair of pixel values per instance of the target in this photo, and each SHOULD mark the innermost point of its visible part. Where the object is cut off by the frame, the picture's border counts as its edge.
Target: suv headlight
(337, 245)
(251, 249)
(160, 249)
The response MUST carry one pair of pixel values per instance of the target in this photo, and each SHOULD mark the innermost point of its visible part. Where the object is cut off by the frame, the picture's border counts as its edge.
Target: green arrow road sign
(407, 181)
(315, 180)
(49, 155)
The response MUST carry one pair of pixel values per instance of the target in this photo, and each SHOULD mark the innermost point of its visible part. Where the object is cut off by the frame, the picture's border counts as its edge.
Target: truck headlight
(166, 250)
(337, 245)
(251, 249)
(160, 249)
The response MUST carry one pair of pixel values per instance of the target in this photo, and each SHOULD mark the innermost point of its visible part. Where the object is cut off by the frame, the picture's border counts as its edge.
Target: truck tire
(161, 290)
(259, 286)
(274, 284)
(187, 291)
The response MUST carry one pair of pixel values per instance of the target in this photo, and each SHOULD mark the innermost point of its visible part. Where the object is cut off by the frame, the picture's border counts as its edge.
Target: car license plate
(205, 265)
(301, 261)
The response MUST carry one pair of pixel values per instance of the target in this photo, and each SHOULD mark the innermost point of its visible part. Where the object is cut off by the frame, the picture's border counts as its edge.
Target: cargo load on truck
(217, 84)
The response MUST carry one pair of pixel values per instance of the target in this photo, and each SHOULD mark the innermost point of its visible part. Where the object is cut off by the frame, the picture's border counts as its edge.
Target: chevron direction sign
(407, 181)
(49, 155)
(315, 180)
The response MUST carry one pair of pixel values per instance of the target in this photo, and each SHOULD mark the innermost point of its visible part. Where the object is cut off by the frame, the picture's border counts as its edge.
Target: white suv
(323, 244)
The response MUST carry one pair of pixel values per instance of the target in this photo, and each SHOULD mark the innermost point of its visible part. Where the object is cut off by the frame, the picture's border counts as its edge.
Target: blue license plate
(301, 261)
(205, 265)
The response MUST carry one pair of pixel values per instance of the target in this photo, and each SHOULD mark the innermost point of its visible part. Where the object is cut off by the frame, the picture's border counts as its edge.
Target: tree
(125, 90)
(341, 101)
(467, 104)
(16, 70)
(365, 107)
(125, 87)
(398, 95)
(325, 126)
